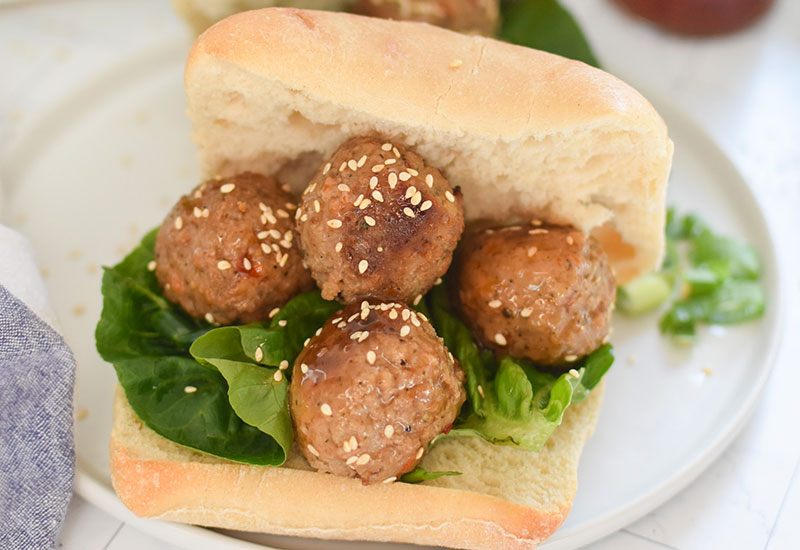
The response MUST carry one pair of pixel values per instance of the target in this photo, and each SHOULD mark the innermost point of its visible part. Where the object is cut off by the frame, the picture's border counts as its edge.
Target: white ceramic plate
(107, 163)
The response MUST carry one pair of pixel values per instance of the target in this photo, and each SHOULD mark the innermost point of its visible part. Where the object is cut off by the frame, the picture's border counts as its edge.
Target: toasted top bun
(523, 132)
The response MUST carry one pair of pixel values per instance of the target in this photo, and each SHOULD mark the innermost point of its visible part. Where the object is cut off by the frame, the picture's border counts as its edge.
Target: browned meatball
(371, 391)
(376, 221)
(227, 251)
(472, 16)
(541, 292)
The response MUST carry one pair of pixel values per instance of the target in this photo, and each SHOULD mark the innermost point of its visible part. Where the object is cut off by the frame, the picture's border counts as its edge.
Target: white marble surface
(743, 89)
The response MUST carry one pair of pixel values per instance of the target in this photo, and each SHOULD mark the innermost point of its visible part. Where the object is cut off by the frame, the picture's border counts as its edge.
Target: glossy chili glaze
(377, 222)
(538, 291)
(228, 251)
(371, 390)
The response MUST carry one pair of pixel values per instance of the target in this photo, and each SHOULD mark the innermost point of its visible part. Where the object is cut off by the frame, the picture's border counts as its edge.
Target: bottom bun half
(506, 498)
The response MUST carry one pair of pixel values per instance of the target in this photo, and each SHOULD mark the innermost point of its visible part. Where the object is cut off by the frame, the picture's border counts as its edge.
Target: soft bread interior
(505, 498)
(524, 133)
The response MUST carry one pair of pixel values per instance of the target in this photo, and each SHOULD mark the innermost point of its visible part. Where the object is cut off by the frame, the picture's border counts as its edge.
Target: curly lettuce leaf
(516, 404)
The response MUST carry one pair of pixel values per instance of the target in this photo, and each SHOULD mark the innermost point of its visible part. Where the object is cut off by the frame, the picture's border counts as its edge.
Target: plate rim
(97, 490)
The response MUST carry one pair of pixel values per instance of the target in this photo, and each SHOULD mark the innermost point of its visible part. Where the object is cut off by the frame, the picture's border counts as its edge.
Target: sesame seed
(259, 354)
(429, 180)
(206, 212)
(500, 339)
(285, 244)
(335, 224)
(326, 409)
(380, 249)
(265, 248)
(190, 389)
(363, 459)
(406, 314)
(283, 365)
(290, 206)
(408, 212)
(386, 147)
(326, 169)
(364, 336)
(209, 318)
(410, 191)
(416, 199)
(343, 166)
(352, 165)
(425, 205)
(536, 223)
(178, 222)
(247, 265)
(197, 212)
(364, 314)
(388, 431)
(316, 206)
(371, 357)
(310, 188)
(356, 334)
(404, 176)
(303, 368)
(417, 299)
(438, 281)
(525, 313)
(494, 304)
(450, 196)
(352, 318)
(346, 447)
(537, 231)
(480, 391)
(392, 180)
(312, 450)
(306, 342)
(387, 162)
(282, 323)
(570, 240)
(222, 265)
(151, 266)
(362, 266)
(275, 234)
(377, 196)
(389, 479)
(393, 314)
(420, 452)
(574, 373)
(278, 376)
(456, 63)
(377, 168)
(351, 460)
(531, 251)
(338, 247)
(412, 172)
(396, 152)
(262, 234)
(361, 161)
(343, 187)
(227, 188)
(283, 260)
(275, 248)
(405, 330)
(353, 442)
(298, 213)
(288, 236)
(370, 221)
(271, 219)
(570, 358)
(415, 321)
(274, 312)
(373, 182)
(342, 324)
(364, 204)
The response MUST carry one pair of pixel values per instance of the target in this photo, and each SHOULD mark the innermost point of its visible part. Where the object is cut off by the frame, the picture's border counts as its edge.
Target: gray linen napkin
(37, 459)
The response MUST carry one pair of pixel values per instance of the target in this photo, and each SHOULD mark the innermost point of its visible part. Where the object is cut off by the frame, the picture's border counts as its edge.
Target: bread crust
(522, 132)
(157, 478)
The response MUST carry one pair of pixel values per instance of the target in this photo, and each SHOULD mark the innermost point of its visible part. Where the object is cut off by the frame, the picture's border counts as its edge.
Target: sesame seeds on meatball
(377, 221)
(543, 292)
(371, 390)
(227, 251)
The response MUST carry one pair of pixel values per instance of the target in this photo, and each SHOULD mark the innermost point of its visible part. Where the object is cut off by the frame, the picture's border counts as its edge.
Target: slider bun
(506, 498)
(523, 132)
